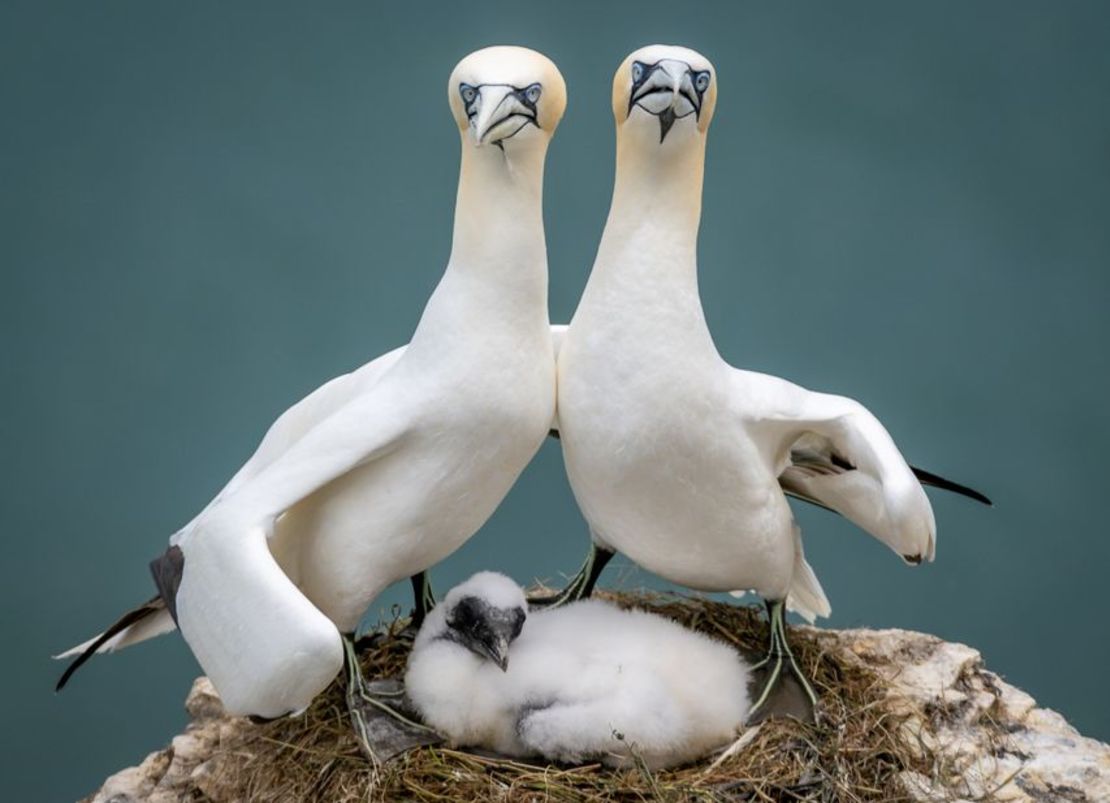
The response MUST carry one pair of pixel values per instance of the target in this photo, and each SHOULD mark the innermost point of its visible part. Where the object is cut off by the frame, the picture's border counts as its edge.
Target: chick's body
(586, 682)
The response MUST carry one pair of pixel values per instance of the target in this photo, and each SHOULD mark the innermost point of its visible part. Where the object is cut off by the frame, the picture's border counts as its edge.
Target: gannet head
(508, 97)
(665, 93)
(486, 614)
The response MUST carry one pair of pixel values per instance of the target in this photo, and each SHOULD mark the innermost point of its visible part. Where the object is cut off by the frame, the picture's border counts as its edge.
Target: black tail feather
(928, 478)
(148, 608)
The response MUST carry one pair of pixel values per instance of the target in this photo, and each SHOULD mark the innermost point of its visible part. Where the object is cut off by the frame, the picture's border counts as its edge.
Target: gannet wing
(153, 618)
(299, 419)
(936, 481)
(362, 430)
(291, 425)
(267, 649)
(923, 476)
(830, 450)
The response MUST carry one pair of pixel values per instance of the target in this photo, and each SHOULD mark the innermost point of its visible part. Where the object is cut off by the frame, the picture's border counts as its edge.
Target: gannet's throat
(668, 89)
(497, 271)
(656, 204)
(648, 252)
(498, 209)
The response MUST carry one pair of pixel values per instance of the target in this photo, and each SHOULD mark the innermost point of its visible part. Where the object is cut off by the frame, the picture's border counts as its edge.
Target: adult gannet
(677, 459)
(581, 682)
(383, 472)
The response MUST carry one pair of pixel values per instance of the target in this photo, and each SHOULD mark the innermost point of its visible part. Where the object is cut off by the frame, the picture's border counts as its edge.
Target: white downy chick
(584, 682)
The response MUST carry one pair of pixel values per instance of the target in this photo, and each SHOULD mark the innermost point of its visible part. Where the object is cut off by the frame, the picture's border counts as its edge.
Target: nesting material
(891, 729)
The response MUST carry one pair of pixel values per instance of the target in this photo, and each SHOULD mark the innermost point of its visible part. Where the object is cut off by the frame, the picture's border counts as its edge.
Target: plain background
(208, 209)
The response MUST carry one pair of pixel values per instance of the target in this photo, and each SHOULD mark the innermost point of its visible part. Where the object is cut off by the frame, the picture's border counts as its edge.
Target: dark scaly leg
(423, 599)
(582, 584)
(772, 697)
(377, 715)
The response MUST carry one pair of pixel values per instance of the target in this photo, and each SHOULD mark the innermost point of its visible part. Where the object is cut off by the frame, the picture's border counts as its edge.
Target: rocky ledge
(971, 737)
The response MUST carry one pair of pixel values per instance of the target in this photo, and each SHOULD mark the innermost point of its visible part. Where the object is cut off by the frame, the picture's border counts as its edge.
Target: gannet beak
(668, 115)
(499, 653)
(494, 646)
(676, 77)
(494, 641)
(500, 115)
(668, 93)
(485, 630)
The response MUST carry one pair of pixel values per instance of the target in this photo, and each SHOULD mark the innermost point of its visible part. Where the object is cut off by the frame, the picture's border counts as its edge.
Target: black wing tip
(937, 481)
(74, 665)
(64, 679)
(124, 622)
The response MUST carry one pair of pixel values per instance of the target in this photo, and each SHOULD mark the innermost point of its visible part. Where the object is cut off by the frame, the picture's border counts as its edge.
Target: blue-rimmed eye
(468, 93)
(637, 72)
(701, 81)
(532, 93)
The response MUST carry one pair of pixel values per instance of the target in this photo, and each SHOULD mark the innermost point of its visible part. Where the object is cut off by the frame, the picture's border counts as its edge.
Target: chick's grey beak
(498, 652)
(496, 638)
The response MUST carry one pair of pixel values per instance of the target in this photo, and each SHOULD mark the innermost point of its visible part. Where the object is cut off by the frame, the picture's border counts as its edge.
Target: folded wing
(831, 451)
(267, 649)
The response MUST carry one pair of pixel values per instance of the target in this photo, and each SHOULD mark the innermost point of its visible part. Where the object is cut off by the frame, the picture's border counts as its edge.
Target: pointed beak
(499, 653)
(668, 94)
(487, 631)
(675, 74)
(661, 89)
(500, 115)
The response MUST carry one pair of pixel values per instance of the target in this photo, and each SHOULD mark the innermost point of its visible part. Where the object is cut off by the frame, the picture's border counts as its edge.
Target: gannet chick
(383, 472)
(677, 459)
(583, 682)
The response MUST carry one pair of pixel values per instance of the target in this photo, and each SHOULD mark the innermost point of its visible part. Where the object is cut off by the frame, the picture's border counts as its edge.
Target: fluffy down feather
(588, 681)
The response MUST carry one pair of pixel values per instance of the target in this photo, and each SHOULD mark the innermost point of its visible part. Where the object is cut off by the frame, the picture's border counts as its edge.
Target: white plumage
(587, 681)
(381, 473)
(676, 457)
(678, 460)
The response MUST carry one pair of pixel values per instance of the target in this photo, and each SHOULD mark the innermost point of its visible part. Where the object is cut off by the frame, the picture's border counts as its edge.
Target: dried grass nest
(854, 754)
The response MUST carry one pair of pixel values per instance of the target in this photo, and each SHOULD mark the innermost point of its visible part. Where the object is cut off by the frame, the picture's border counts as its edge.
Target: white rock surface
(989, 739)
(992, 741)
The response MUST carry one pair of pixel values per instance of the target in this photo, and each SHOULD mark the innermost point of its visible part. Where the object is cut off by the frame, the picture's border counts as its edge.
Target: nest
(855, 753)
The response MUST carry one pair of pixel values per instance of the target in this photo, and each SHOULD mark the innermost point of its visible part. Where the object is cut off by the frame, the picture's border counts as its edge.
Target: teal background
(208, 209)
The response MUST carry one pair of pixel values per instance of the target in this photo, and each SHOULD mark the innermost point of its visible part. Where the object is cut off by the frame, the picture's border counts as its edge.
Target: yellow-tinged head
(665, 91)
(509, 97)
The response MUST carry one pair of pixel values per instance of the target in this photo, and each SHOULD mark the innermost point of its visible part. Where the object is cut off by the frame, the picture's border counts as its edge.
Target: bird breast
(665, 472)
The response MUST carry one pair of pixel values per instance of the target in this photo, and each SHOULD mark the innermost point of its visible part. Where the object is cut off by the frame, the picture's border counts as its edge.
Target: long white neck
(646, 264)
(496, 277)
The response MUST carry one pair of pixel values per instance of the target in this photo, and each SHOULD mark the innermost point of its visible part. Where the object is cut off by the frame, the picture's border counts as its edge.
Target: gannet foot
(381, 716)
(784, 691)
(582, 584)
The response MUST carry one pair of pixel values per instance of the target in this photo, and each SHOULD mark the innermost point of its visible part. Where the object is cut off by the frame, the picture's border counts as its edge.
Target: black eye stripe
(519, 92)
(647, 70)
